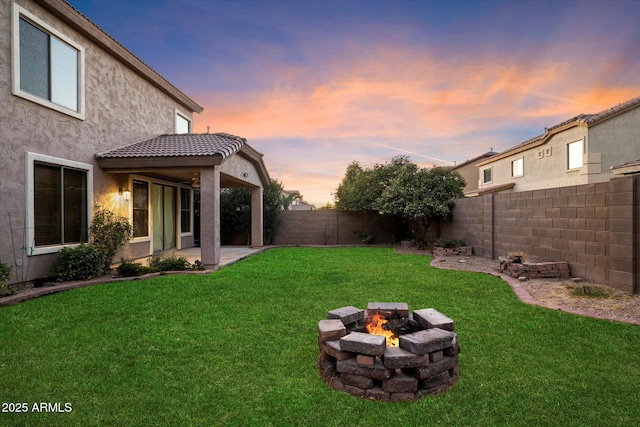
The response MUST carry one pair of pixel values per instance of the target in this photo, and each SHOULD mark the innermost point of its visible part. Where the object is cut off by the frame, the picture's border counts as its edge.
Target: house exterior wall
(120, 108)
(615, 141)
(470, 174)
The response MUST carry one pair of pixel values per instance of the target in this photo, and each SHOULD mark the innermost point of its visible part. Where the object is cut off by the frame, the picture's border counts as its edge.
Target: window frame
(484, 175)
(513, 163)
(188, 211)
(21, 13)
(569, 168)
(31, 160)
(148, 209)
(180, 115)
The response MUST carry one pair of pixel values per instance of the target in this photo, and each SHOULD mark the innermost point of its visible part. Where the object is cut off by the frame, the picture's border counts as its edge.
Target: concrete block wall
(594, 227)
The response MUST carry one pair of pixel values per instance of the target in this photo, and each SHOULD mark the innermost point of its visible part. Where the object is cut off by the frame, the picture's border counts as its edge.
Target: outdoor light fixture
(124, 193)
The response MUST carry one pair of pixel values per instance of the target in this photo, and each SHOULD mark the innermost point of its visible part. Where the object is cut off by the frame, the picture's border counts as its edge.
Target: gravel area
(587, 298)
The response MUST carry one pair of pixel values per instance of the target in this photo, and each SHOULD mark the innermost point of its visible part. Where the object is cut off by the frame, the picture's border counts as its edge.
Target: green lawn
(239, 347)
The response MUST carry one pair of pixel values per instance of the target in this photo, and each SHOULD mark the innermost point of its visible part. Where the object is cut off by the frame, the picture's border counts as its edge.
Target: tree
(401, 189)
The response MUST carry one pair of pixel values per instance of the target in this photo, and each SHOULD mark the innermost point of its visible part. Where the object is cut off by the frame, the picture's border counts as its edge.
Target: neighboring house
(469, 171)
(581, 150)
(86, 123)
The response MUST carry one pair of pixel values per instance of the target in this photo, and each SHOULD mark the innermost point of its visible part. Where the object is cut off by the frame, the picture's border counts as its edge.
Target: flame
(375, 326)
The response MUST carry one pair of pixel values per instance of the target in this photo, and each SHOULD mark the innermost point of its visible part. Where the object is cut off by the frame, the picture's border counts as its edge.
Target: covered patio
(208, 162)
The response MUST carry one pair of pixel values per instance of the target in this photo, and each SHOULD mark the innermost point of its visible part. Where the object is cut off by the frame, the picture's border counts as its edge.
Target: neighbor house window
(59, 193)
(140, 208)
(575, 150)
(185, 210)
(517, 167)
(48, 67)
(487, 176)
(183, 123)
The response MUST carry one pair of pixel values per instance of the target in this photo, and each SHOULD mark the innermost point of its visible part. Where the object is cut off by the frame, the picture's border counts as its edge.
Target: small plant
(163, 262)
(448, 242)
(110, 232)
(80, 263)
(589, 291)
(6, 272)
(365, 237)
(131, 269)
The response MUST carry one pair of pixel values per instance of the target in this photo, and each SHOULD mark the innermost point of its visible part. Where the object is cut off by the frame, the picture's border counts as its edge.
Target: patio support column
(210, 216)
(257, 236)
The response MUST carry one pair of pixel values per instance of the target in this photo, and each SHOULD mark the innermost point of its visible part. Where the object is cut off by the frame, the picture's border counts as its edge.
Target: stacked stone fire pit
(417, 355)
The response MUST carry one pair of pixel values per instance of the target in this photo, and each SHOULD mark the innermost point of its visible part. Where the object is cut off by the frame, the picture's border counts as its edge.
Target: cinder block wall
(593, 227)
(330, 227)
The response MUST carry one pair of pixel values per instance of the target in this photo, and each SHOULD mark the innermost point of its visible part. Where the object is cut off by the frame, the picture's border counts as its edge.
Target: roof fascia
(124, 164)
(255, 157)
(74, 19)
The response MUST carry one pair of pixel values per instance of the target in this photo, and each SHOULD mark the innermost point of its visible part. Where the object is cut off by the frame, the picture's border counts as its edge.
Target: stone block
(401, 397)
(333, 349)
(331, 330)
(436, 356)
(354, 391)
(436, 380)
(431, 318)
(401, 308)
(433, 368)
(347, 314)
(400, 383)
(396, 358)
(359, 342)
(430, 340)
(365, 360)
(378, 371)
(376, 393)
(356, 381)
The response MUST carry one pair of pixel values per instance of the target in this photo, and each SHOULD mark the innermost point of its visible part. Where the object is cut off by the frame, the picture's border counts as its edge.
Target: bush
(365, 237)
(130, 268)
(163, 262)
(6, 272)
(82, 262)
(110, 232)
(448, 242)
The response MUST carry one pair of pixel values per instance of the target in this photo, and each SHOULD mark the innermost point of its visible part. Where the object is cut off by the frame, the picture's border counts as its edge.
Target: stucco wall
(616, 139)
(121, 108)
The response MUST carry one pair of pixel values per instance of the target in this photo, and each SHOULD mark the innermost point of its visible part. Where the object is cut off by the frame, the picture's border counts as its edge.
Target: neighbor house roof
(632, 167)
(579, 120)
(475, 159)
(76, 20)
(179, 145)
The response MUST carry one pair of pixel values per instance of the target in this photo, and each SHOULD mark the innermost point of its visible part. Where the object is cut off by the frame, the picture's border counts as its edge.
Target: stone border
(526, 297)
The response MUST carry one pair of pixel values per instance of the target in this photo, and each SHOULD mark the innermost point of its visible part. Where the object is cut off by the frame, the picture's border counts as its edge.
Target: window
(575, 150)
(183, 123)
(47, 67)
(140, 209)
(59, 194)
(486, 176)
(185, 210)
(517, 167)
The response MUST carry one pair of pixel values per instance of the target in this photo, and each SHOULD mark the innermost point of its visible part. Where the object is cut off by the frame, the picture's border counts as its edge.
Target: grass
(239, 347)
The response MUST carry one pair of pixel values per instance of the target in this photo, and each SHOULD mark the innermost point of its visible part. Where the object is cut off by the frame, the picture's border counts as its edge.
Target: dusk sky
(315, 85)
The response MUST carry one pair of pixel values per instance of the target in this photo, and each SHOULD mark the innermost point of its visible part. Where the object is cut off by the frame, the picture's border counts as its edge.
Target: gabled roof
(586, 120)
(179, 145)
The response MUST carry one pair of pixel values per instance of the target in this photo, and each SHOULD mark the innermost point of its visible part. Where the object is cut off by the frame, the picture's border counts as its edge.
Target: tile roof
(179, 145)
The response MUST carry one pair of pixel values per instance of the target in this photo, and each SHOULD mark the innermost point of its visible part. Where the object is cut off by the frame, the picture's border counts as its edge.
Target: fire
(375, 326)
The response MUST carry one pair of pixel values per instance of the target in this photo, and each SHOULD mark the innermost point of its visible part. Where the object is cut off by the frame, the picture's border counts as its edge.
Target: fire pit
(386, 353)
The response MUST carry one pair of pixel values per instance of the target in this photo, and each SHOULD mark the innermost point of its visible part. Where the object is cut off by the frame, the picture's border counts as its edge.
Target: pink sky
(315, 85)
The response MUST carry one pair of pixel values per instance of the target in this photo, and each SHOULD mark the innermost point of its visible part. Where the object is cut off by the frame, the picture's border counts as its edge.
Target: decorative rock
(359, 342)
(396, 358)
(431, 318)
(348, 314)
(331, 330)
(427, 341)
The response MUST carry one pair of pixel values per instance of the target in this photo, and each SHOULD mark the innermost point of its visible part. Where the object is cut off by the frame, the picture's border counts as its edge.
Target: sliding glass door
(164, 217)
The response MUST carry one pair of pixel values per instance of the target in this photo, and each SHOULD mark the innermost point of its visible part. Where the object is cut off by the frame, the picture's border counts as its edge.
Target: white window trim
(512, 173)
(17, 12)
(177, 113)
(31, 159)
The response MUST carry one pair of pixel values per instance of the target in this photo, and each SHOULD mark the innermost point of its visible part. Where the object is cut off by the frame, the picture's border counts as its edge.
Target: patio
(228, 254)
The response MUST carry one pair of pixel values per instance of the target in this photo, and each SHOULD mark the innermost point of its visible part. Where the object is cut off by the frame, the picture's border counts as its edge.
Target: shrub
(82, 262)
(448, 242)
(6, 272)
(130, 268)
(110, 232)
(365, 237)
(163, 262)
